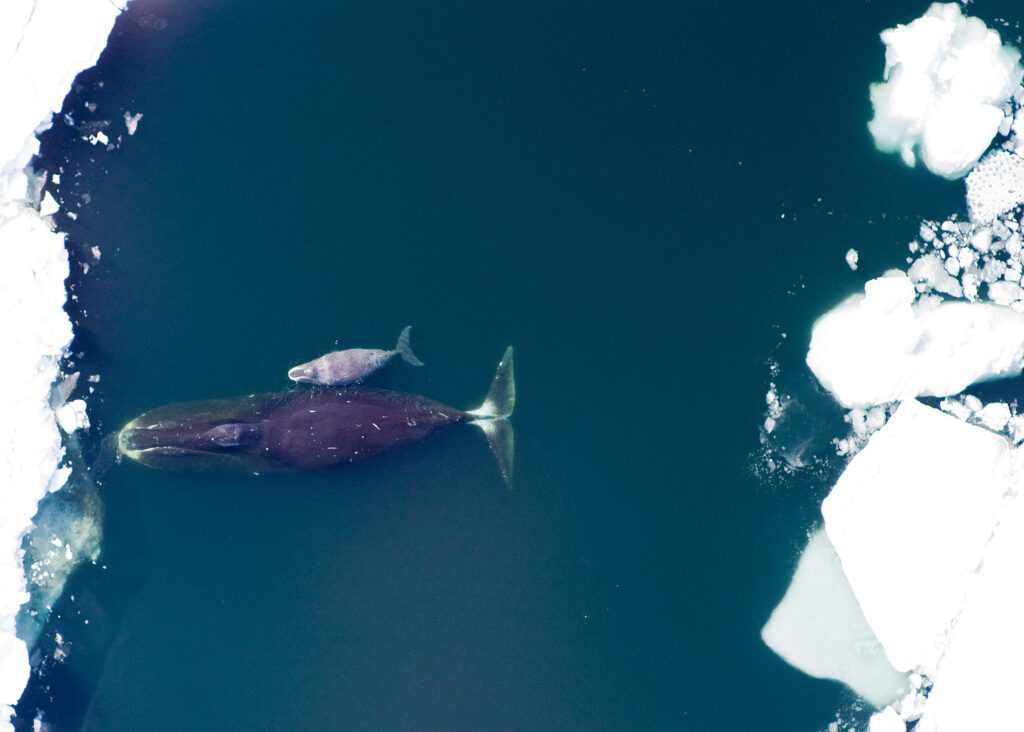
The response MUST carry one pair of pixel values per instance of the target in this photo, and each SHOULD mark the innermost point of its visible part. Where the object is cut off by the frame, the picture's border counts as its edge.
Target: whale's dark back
(293, 430)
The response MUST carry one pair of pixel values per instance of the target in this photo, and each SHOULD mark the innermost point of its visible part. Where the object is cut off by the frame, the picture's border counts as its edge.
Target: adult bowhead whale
(309, 429)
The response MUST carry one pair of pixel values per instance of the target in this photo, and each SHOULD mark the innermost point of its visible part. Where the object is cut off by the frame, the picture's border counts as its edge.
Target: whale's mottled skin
(309, 429)
(351, 366)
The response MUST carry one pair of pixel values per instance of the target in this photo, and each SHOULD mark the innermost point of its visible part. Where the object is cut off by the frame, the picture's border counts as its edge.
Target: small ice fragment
(131, 121)
(886, 720)
(72, 416)
(851, 258)
(1005, 293)
(96, 253)
(49, 205)
(995, 416)
(982, 240)
(956, 408)
(1006, 125)
(875, 419)
(930, 271)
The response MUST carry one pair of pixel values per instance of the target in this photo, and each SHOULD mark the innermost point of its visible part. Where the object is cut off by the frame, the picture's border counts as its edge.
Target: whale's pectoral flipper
(233, 435)
(109, 454)
(492, 416)
(404, 349)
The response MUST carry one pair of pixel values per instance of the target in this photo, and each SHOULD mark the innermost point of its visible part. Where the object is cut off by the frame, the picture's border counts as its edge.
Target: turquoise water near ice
(650, 203)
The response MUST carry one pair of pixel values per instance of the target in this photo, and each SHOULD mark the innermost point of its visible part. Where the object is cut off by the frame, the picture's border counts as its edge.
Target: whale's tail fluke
(404, 349)
(492, 416)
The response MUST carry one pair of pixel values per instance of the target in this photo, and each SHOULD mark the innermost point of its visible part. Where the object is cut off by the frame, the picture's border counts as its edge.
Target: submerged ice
(820, 629)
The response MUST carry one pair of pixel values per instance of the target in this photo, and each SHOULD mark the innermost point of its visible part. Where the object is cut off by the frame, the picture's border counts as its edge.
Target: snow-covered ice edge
(44, 45)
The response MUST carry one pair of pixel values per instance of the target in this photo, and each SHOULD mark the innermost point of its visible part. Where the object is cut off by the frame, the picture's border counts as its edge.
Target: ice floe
(45, 44)
(884, 345)
(909, 519)
(995, 185)
(819, 628)
(947, 78)
(977, 684)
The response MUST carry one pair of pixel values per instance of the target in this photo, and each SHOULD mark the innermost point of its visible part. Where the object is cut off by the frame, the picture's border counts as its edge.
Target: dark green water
(640, 198)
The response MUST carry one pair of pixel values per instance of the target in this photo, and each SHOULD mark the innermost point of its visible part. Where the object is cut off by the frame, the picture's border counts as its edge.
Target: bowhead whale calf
(308, 429)
(351, 366)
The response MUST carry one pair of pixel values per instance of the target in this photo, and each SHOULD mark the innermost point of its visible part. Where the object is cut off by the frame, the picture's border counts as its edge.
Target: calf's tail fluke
(492, 416)
(404, 349)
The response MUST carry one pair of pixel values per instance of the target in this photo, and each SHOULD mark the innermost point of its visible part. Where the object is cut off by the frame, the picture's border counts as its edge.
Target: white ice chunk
(887, 720)
(977, 685)
(131, 121)
(851, 258)
(982, 240)
(946, 80)
(72, 416)
(995, 186)
(930, 271)
(881, 347)
(995, 416)
(819, 628)
(909, 519)
(49, 205)
(957, 408)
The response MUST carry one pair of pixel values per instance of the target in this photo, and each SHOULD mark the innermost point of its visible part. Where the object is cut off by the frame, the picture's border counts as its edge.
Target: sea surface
(651, 201)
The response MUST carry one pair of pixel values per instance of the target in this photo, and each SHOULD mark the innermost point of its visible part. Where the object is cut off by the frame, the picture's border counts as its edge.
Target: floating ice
(49, 205)
(977, 685)
(995, 186)
(131, 121)
(72, 416)
(909, 519)
(882, 346)
(946, 80)
(44, 44)
(887, 720)
(819, 628)
(851, 258)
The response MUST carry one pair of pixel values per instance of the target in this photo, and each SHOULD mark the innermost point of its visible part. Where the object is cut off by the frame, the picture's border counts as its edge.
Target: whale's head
(306, 373)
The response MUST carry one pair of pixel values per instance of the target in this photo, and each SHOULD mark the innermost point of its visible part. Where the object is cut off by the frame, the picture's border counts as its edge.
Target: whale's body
(307, 429)
(351, 366)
